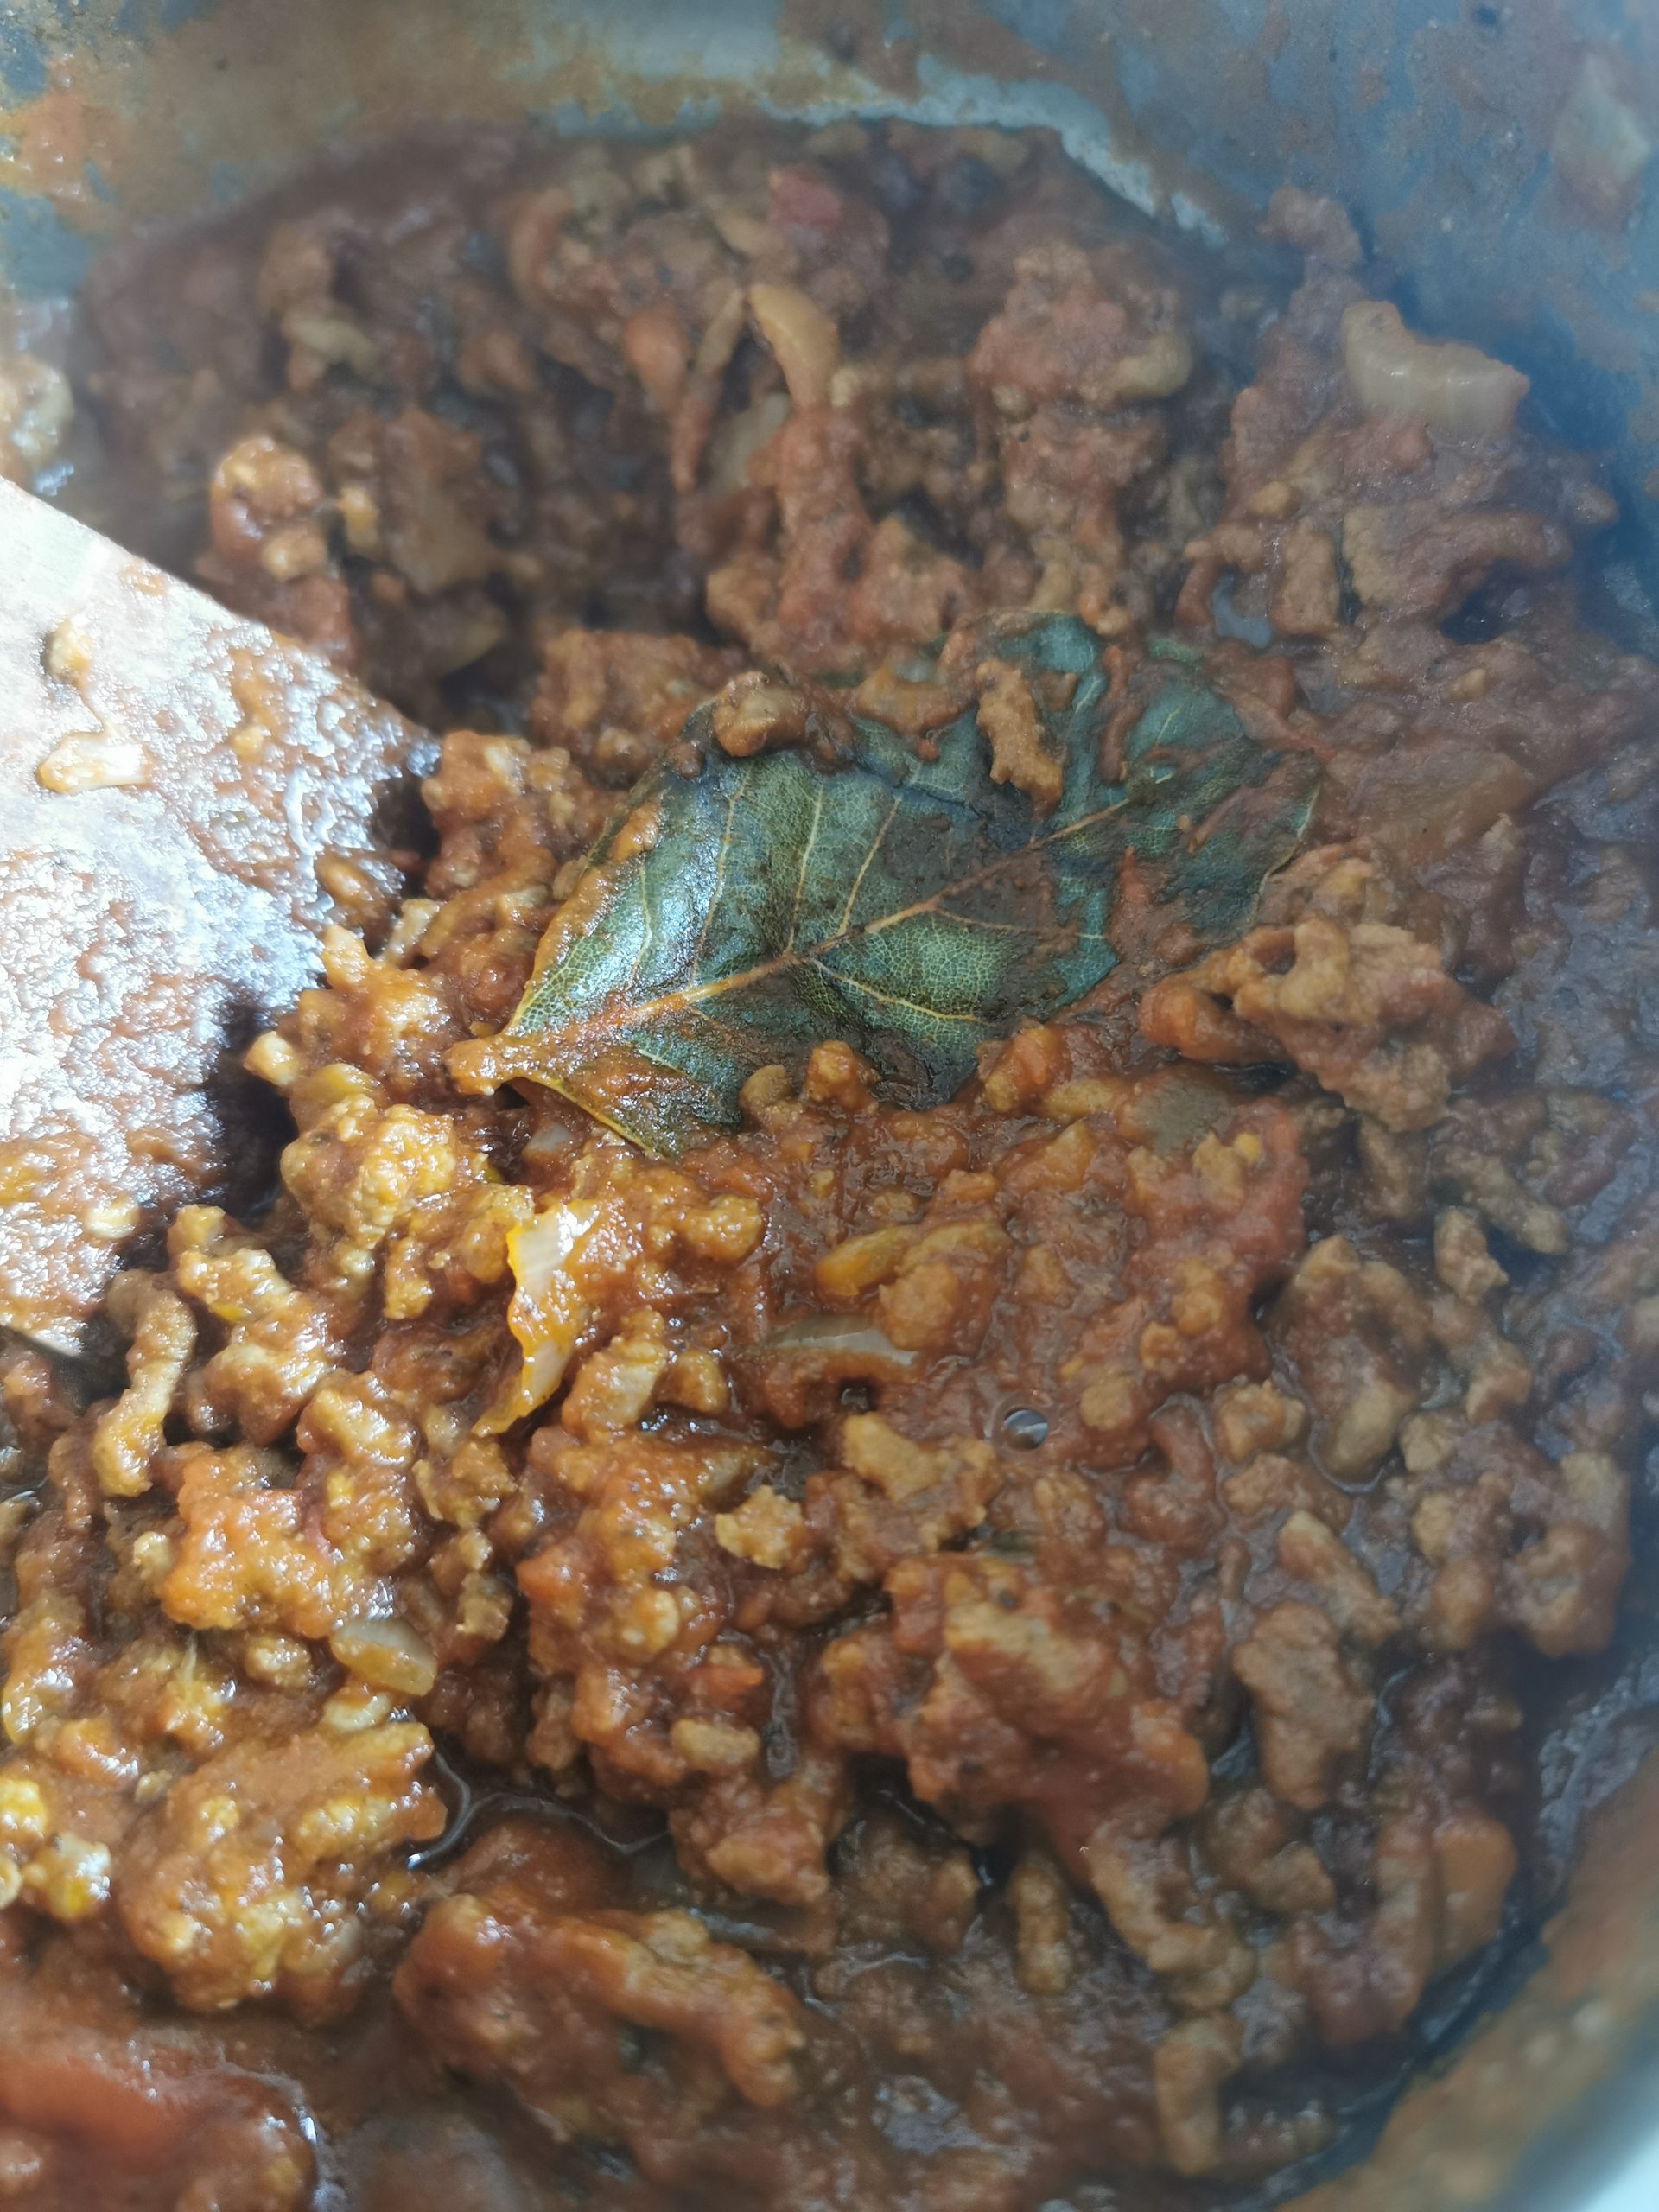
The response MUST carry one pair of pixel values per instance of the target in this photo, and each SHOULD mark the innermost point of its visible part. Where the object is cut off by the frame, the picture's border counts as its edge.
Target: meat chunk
(1359, 1332)
(610, 2025)
(616, 700)
(1188, 2067)
(898, 1499)
(244, 1883)
(1514, 1540)
(1312, 1709)
(1365, 1008)
(1009, 717)
(998, 1688)
(1438, 1886)
(1101, 330)
(1309, 1551)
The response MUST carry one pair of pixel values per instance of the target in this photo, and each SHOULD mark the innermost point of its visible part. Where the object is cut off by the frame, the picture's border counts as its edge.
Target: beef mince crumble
(956, 1660)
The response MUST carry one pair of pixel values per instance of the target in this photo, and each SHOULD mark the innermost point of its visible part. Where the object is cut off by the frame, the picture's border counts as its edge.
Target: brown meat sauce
(991, 1656)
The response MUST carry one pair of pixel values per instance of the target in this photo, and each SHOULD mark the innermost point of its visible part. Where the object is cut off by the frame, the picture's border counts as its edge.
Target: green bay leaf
(734, 917)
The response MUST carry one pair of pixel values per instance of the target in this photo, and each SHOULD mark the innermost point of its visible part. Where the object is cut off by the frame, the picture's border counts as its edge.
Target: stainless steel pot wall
(1497, 152)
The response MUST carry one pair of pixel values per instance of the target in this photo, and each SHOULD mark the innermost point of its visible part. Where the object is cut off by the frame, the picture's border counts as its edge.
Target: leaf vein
(719, 878)
(800, 876)
(892, 998)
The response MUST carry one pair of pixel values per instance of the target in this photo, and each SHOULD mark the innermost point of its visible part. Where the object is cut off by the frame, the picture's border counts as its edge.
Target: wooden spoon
(170, 776)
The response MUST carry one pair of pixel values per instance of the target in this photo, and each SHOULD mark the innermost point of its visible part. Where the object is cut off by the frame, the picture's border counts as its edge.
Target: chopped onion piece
(805, 342)
(1162, 366)
(740, 437)
(549, 1310)
(1452, 387)
(93, 761)
(849, 1343)
(386, 1652)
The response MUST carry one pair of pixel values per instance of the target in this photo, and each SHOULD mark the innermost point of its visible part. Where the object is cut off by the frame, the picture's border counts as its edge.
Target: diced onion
(386, 1652)
(848, 1342)
(740, 437)
(93, 761)
(806, 344)
(550, 1311)
(1453, 388)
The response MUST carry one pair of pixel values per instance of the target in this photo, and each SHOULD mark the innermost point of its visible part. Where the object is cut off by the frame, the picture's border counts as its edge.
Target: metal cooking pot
(1495, 153)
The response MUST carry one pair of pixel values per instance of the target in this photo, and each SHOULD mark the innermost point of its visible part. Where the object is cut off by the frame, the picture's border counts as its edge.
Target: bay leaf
(733, 916)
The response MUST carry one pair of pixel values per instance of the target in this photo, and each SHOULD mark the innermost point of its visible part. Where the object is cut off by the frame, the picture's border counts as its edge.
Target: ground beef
(975, 1655)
